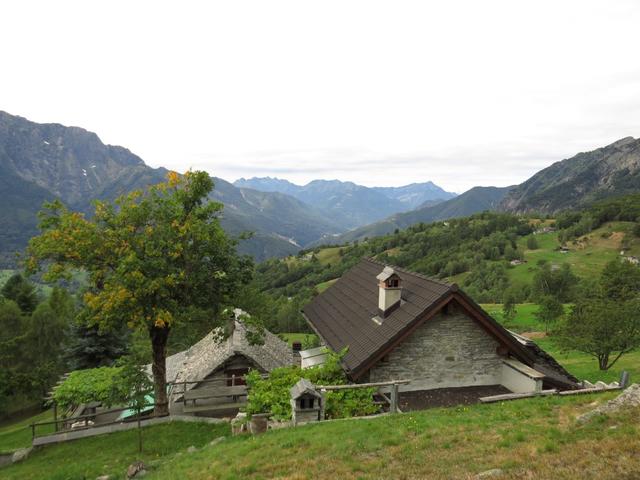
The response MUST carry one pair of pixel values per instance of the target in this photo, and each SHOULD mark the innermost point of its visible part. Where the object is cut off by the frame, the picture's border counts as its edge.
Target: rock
(587, 384)
(239, 424)
(494, 472)
(601, 385)
(192, 449)
(103, 477)
(135, 468)
(20, 455)
(629, 398)
(216, 441)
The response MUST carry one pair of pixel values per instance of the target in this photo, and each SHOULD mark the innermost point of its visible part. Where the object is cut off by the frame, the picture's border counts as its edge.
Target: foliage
(271, 395)
(550, 310)
(94, 385)
(89, 347)
(22, 292)
(149, 256)
(532, 243)
(605, 321)
(559, 283)
(509, 311)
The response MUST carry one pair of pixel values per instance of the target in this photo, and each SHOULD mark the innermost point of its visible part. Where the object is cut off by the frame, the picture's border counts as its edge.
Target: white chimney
(389, 291)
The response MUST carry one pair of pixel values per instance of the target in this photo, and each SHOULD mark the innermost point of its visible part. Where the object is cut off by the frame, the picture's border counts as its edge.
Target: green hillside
(535, 438)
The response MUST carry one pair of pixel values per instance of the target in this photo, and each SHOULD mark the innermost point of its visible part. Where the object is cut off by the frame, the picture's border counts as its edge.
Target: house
(397, 325)
(216, 362)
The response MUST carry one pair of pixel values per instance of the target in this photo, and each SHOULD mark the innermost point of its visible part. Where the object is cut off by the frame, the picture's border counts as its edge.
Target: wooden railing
(392, 400)
(64, 424)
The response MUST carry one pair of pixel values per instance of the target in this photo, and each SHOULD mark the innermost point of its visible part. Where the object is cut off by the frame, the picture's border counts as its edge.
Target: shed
(306, 402)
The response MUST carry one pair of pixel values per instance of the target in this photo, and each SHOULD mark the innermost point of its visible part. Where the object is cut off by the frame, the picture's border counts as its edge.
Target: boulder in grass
(136, 469)
(629, 398)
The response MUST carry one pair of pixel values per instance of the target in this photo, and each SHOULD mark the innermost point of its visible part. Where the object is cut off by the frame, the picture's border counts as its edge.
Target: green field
(587, 256)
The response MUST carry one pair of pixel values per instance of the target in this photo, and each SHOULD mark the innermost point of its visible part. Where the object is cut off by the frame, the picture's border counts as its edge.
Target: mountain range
(40, 162)
(349, 204)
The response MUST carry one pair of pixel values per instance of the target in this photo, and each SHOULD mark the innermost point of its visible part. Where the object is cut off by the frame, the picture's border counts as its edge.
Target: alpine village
(168, 323)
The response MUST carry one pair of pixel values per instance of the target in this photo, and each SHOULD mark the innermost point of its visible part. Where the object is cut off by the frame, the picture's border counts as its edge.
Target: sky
(461, 93)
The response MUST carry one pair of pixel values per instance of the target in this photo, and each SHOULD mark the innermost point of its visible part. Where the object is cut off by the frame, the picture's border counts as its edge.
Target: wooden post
(33, 432)
(323, 394)
(55, 416)
(394, 398)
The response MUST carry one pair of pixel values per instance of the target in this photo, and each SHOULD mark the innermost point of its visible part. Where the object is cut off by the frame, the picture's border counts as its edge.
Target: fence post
(394, 398)
(323, 400)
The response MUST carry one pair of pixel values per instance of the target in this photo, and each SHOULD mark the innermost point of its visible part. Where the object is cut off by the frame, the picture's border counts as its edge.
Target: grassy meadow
(533, 438)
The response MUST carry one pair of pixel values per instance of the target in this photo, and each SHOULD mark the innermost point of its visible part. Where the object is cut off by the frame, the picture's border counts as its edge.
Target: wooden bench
(236, 393)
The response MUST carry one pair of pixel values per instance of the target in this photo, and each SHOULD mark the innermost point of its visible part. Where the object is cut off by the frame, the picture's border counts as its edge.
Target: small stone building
(306, 402)
(401, 325)
(224, 360)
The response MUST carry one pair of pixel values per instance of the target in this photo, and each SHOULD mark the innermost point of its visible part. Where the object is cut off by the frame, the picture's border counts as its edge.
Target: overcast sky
(462, 93)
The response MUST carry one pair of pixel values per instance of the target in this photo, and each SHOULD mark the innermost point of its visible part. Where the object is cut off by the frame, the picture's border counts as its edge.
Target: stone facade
(449, 350)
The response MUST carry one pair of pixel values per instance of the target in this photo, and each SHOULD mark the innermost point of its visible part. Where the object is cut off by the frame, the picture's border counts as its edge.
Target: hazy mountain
(609, 171)
(352, 205)
(477, 199)
(41, 162)
(416, 194)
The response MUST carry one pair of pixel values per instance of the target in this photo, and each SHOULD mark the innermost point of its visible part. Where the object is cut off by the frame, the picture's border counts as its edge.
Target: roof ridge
(411, 272)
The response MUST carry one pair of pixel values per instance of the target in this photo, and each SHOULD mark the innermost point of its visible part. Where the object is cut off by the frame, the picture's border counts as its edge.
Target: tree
(605, 321)
(559, 283)
(549, 311)
(532, 243)
(150, 256)
(509, 306)
(22, 292)
(89, 347)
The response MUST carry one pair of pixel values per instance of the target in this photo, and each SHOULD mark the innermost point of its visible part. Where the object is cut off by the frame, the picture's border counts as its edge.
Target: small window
(393, 283)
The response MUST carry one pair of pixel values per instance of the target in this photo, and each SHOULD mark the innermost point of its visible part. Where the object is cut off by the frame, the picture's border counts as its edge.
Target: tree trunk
(603, 360)
(159, 345)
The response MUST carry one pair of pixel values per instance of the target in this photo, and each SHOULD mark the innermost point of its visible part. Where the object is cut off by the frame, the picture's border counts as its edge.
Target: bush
(95, 384)
(271, 395)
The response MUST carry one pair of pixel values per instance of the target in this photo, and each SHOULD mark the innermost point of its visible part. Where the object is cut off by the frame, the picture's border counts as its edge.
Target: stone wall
(449, 350)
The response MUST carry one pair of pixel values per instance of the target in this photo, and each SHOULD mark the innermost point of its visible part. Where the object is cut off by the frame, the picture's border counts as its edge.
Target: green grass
(587, 256)
(321, 287)
(112, 454)
(297, 337)
(15, 435)
(4, 276)
(330, 255)
(582, 365)
(525, 320)
(535, 438)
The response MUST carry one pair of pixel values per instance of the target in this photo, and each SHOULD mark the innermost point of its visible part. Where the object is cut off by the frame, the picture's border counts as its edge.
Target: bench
(236, 392)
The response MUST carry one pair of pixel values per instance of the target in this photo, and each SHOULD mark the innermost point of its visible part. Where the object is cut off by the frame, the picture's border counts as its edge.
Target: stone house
(216, 362)
(400, 325)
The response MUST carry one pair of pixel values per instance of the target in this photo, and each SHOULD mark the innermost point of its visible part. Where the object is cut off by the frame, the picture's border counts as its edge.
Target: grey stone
(216, 441)
(192, 449)
(629, 398)
(454, 351)
(135, 468)
(20, 455)
(494, 472)
(103, 477)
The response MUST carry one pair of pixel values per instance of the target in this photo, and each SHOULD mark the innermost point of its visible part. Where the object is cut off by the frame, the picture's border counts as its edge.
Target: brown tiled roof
(343, 313)
(343, 316)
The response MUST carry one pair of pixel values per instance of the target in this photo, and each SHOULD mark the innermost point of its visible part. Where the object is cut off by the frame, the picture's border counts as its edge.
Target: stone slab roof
(210, 353)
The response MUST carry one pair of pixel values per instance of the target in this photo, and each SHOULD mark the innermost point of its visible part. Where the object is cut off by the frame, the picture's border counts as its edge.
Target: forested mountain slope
(477, 199)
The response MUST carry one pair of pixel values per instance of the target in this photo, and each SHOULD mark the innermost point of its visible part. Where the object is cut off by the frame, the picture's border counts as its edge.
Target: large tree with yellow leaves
(150, 257)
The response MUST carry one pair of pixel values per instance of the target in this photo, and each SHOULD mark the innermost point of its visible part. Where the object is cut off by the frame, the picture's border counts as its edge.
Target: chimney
(389, 291)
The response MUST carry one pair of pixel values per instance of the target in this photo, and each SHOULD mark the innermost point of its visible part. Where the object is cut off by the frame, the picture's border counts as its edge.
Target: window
(393, 283)
(306, 403)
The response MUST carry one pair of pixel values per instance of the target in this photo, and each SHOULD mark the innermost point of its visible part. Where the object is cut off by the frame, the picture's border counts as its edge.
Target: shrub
(271, 395)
